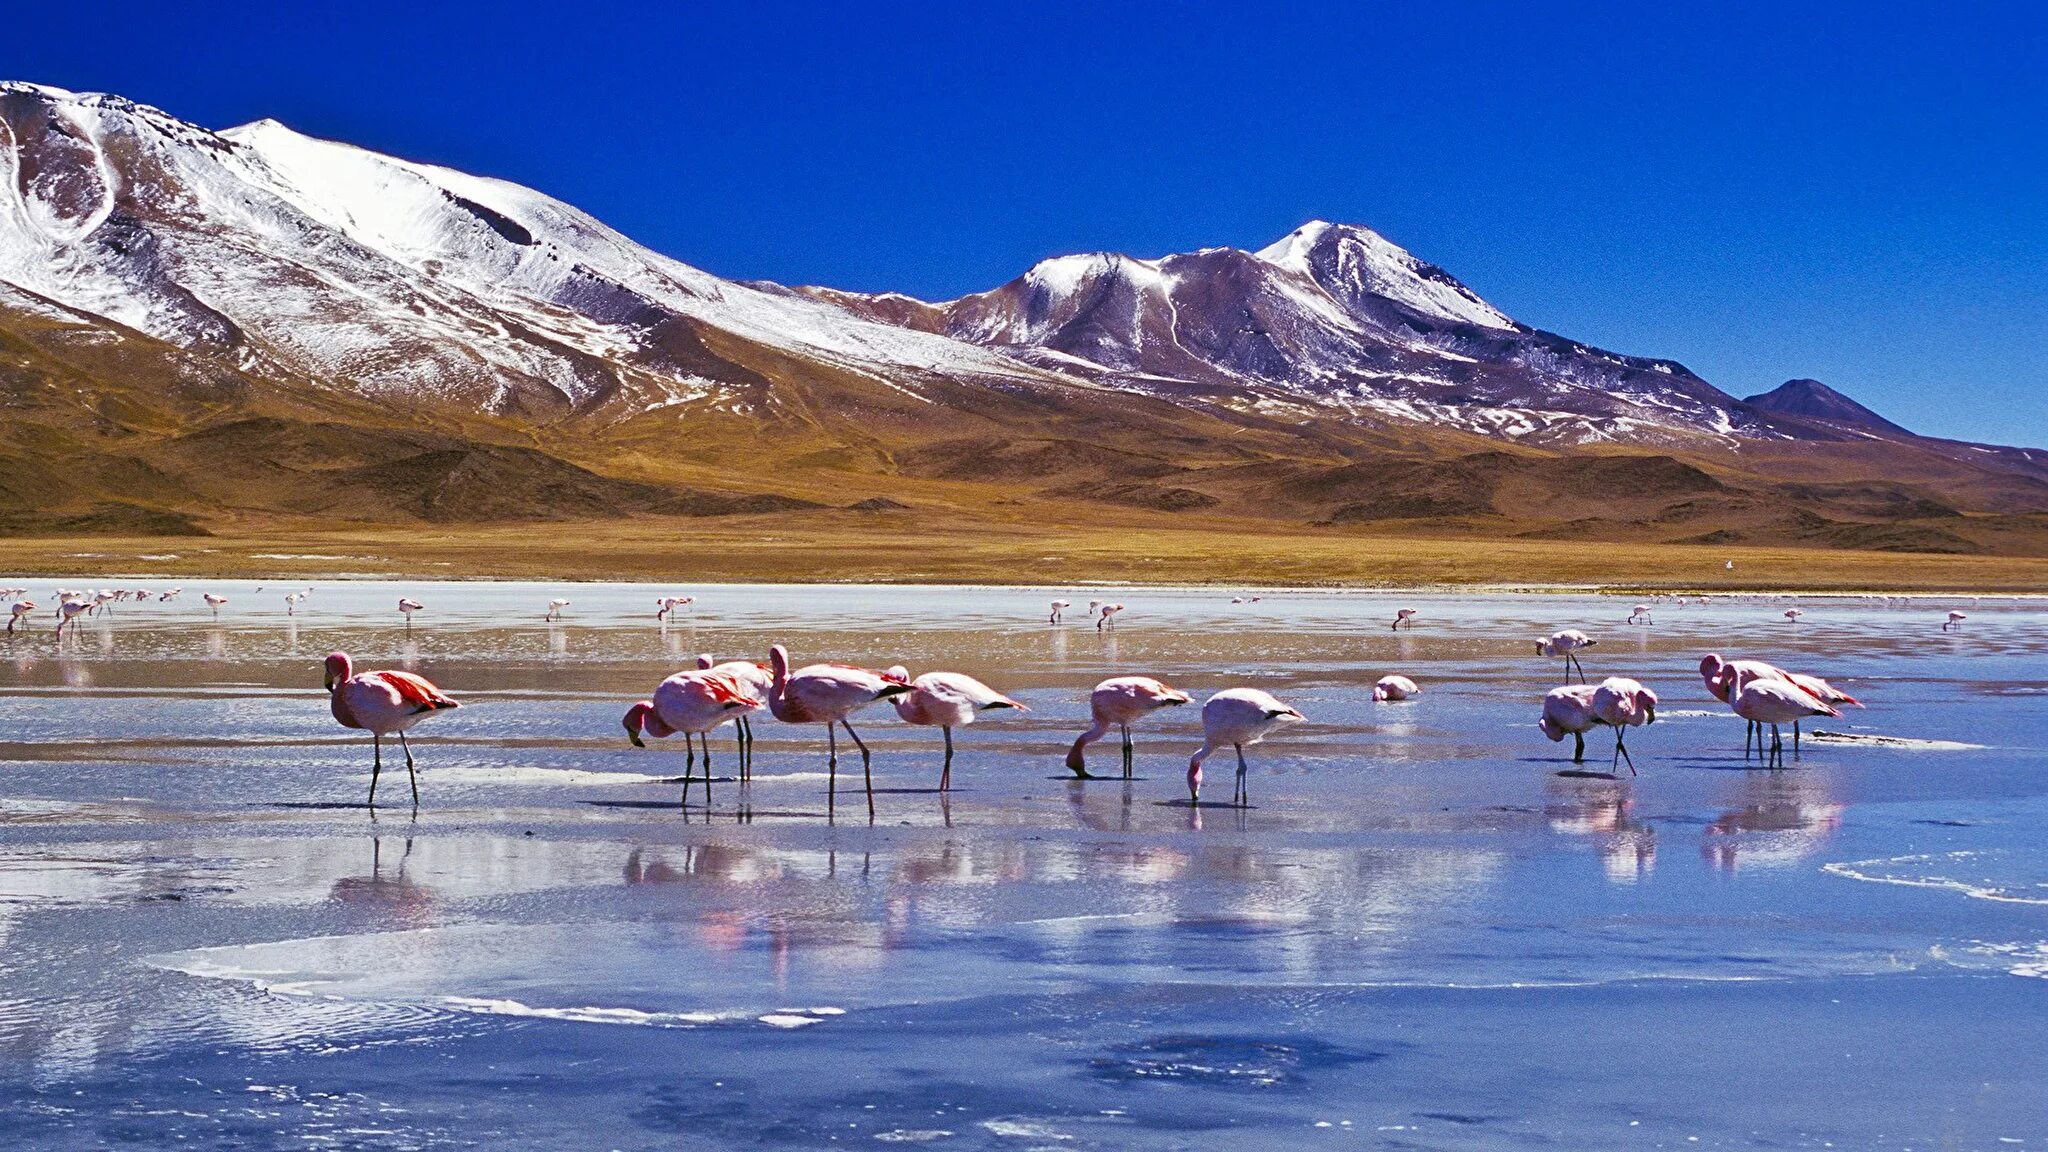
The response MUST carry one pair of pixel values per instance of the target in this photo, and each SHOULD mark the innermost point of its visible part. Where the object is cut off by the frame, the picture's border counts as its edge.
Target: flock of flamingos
(697, 701)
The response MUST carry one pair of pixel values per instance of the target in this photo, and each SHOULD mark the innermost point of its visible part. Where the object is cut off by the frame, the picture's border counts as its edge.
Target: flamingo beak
(327, 676)
(1650, 711)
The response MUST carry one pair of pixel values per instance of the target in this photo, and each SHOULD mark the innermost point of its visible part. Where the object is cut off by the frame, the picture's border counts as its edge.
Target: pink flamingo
(946, 699)
(16, 611)
(214, 602)
(1569, 711)
(1720, 675)
(1058, 606)
(1768, 700)
(1566, 645)
(1395, 688)
(757, 680)
(827, 694)
(1792, 615)
(1405, 618)
(554, 611)
(667, 605)
(1108, 617)
(1121, 701)
(1622, 703)
(407, 606)
(1641, 615)
(169, 596)
(69, 611)
(1954, 621)
(1236, 717)
(692, 703)
(383, 703)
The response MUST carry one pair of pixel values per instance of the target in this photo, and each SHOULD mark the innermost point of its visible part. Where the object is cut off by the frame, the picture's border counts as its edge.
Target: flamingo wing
(417, 690)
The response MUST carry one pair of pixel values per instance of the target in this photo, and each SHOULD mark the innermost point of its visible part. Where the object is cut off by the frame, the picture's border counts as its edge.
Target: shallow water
(1420, 934)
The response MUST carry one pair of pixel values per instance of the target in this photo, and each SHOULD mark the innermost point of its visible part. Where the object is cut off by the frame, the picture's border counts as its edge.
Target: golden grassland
(905, 547)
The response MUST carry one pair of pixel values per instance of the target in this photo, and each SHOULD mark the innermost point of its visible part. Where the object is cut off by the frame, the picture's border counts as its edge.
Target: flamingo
(946, 699)
(1954, 621)
(1621, 703)
(407, 606)
(1767, 700)
(1058, 606)
(827, 694)
(1641, 615)
(757, 680)
(383, 703)
(1569, 710)
(668, 604)
(1395, 688)
(1566, 645)
(169, 596)
(555, 609)
(1108, 617)
(102, 598)
(1405, 618)
(16, 611)
(214, 602)
(1121, 701)
(1792, 615)
(692, 703)
(1236, 717)
(1720, 675)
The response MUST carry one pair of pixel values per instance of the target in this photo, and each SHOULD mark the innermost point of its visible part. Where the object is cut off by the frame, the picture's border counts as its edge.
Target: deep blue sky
(1856, 192)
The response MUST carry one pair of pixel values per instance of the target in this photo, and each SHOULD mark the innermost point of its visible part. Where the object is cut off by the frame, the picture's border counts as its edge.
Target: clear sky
(1853, 192)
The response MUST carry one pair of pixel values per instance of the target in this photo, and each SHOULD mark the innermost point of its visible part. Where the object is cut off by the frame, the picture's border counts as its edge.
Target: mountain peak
(1815, 400)
(1352, 262)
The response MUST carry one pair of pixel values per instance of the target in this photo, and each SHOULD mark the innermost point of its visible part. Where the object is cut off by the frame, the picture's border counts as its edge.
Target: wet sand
(1420, 934)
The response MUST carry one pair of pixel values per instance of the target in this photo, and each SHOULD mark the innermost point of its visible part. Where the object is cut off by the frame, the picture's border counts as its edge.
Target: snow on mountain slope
(324, 261)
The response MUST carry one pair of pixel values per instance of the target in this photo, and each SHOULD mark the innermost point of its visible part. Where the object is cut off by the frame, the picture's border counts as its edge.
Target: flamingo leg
(946, 773)
(831, 770)
(1621, 751)
(1578, 747)
(1130, 755)
(376, 766)
(689, 768)
(409, 772)
(1244, 792)
(704, 739)
(866, 771)
(1795, 739)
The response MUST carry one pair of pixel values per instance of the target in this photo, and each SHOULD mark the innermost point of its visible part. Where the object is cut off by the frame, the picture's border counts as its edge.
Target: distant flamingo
(1058, 606)
(1954, 621)
(69, 611)
(383, 703)
(1395, 688)
(1108, 617)
(169, 596)
(1405, 618)
(1566, 645)
(827, 694)
(944, 700)
(1234, 718)
(555, 609)
(291, 602)
(1569, 711)
(1641, 615)
(408, 606)
(1120, 702)
(692, 703)
(214, 602)
(1772, 701)
(666, 605)
(19, 609)
(757, 680)
(1792, 615)
(1621, 703)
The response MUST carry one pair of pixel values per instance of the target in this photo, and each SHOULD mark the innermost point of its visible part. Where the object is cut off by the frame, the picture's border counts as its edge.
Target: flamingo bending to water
(944, 700)
(1405, 618)
(1395, 688)
(757, 680)
(1569, 711)
(1234, 718)
(827, 694)
(1954, 621)
(1108, 617)
(1566, 645)
(1622, 703)
(666, 605)
(1058, 606)
(555, 607)
(382, 703)
(1119, 702)
(692, 703)
(19, 609)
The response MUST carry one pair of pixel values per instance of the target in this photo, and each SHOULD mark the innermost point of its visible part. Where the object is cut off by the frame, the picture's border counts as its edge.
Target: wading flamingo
(382, 703)
(1641, 615)
(1954, 621)
(1767, 700)
(1395, 688)
(15, 612)
(1720, 675)
(945, 700)
(1565, 645)
(1120, 702)
(214, 602)
(692, 703)
(169, 596)
(1234, 718)
(757, 680)
(827, 694)
(666, 605)
(408, 606)
(555, 607)
(1569, 711)
(1058, 606)
(1405, 618)
(1792, 615)
(1108, 617)
(1622, 703)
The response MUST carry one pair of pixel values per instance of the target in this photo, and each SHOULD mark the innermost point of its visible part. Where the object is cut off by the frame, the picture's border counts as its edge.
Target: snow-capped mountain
(320, 261)
(1329, 318)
